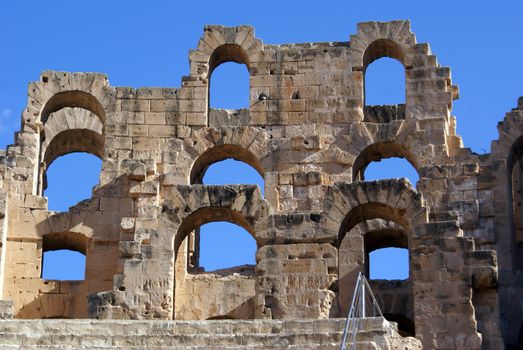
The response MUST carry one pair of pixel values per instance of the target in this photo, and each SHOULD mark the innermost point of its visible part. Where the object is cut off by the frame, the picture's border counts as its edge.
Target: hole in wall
(70, 179)
(385, 82)
(391, 168)
(229, 86)
(389, 264)
(224, 245)
(230, 171)
(63, 264)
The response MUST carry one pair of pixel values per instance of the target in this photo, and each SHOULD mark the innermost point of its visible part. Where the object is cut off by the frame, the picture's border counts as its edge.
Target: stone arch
(394, 297)
(378, 151)
(65, 240)
(370, 142)
(57, 90)
(380, 213)
(227, 53)
(72, 99)
(222, 152)
(238, 204)
(394, 39)
(392, 199)
(220, 44)
(71, 130)
(383, 48)
(67, 142)
(402, 204)
(506, 151)
(206, 215)
(209, 145)
(374, 40)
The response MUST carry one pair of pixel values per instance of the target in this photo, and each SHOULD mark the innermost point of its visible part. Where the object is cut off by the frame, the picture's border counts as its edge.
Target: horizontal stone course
(219, 334)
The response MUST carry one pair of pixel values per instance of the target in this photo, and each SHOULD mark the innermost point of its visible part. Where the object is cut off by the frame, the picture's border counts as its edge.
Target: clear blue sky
(146, 43)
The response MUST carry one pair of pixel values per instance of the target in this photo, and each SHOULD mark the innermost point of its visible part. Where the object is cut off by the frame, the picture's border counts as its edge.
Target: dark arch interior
(72, 99)
(382, 48)
(227, 53)
(74, 140)
(370, 211)
(224, 317)
(406, 326)
(65, 240)
(377, 244)
(389, 237)
(515, 200)
(64, 256)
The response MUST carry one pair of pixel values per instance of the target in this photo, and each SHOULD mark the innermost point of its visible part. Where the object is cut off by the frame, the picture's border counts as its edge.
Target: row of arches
(212, 169)
(365, 229)
(231, 164)
(384, 80)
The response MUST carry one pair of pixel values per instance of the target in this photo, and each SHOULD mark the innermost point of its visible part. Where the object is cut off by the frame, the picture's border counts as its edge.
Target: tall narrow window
(229, 86)
(385, 82)
(70, 179)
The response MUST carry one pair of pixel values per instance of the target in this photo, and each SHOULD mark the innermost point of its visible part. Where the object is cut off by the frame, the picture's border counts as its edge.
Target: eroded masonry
(310, 135)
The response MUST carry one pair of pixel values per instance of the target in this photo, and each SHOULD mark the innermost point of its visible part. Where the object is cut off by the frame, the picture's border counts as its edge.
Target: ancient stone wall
(309, 134)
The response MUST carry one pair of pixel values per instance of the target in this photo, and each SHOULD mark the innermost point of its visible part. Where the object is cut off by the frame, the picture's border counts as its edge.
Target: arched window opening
(228, 241)
(63, 264)
(222, 165)
(64, 256)
(391, 168)
(385, 82)
(389, 264)
(232, 171)
(72, 99)
(227, 164)
(226, 252)
(229, 86)
(70, 179)
(385, 160)
(224, 245)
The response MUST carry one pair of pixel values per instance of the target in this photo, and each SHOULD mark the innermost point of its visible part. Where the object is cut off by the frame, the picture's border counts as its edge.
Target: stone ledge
(212, 334)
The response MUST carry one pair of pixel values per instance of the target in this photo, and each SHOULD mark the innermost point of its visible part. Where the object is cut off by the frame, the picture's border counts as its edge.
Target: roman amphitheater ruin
(310, 135)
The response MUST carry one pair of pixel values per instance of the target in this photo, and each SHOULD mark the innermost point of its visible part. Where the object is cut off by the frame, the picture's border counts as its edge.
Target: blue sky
(146, 43)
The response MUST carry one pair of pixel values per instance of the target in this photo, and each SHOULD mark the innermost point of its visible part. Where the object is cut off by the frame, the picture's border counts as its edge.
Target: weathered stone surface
(375, 333)
(309, 134)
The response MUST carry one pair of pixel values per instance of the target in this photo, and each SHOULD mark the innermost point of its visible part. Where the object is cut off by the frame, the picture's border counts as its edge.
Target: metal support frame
(360, 308)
